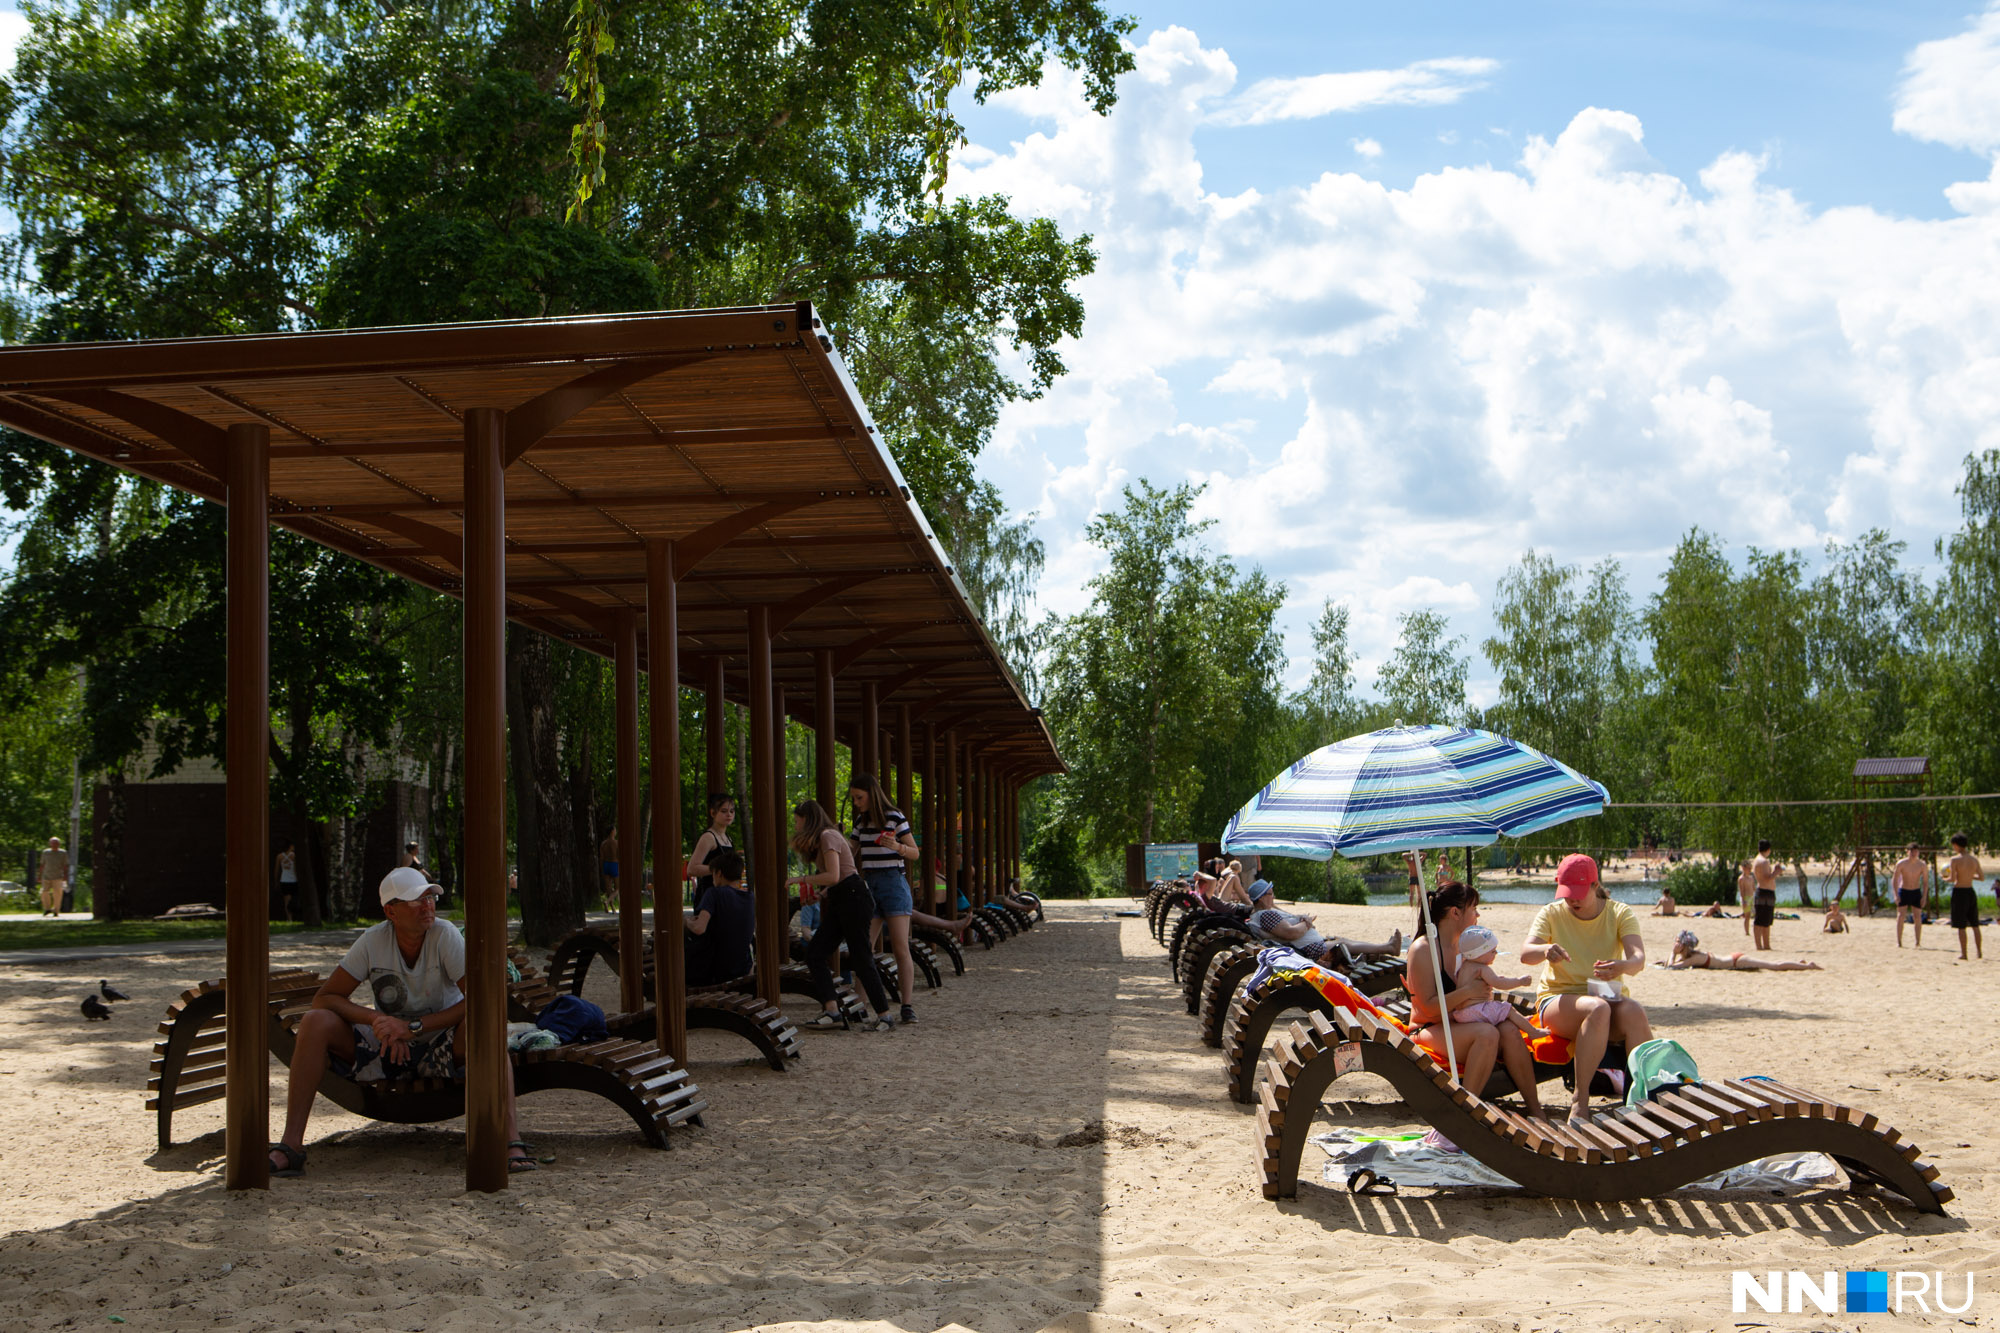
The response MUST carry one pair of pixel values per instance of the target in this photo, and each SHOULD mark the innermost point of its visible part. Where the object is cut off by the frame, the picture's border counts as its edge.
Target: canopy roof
(737, 434)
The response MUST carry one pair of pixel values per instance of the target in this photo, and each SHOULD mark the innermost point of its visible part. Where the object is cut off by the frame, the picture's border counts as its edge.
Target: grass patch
(39, 933)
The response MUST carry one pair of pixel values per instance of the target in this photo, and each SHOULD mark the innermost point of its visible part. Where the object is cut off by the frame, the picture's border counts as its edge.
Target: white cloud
(1368, 148)
(13, 28)
(1390, 393)
(1951, 88)
(1425, 83)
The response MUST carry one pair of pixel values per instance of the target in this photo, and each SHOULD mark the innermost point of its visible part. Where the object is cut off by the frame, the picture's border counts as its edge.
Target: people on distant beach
(724, 921)
(1666, 906)
(414, 965)
(1478, 947)
(1836, 920)
(1908, 881)
(1746, 886)
(1687, 954)
(54, 872)
(1715, 910)
(1964, 872)
(1584, 938)
(1451, 908)
(1764, 902)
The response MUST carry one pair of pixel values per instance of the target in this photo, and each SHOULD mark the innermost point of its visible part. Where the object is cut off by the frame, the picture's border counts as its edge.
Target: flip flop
(526, 1162)
(1364, 1180)
(295, 1161)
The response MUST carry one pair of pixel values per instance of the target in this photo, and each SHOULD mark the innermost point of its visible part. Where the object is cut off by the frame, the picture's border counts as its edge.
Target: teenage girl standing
(846, 908)
(721, 814)
(884, 848)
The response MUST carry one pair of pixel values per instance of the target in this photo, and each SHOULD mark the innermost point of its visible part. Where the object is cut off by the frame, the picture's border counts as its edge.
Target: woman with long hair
(846, 908)
(721, 814)
(1453, 907)
(884, 848)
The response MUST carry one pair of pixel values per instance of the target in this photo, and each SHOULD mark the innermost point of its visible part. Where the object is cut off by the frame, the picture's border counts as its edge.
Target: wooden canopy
(737, 435)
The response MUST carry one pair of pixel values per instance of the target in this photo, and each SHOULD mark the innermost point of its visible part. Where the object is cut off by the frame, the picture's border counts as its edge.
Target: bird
(111, 992)
(95, 1008)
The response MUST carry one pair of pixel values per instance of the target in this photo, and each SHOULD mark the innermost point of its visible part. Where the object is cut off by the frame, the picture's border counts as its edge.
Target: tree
(1424, 679)
(1327, 705)
(1153, 672)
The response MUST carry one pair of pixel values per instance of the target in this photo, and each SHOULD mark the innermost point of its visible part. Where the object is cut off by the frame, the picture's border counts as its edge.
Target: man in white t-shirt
(413, 965)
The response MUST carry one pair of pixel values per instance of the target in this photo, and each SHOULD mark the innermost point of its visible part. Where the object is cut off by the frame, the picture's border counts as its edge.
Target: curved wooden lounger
(983, 930)
(1036, 899)
(1626, 1153)
(762, 1025)
(571, 960)
(633, 1075)
(1200, 947)
(1227, 971)
(939, 939)
(1162, 912)
(1250, 1017)
(1004, 925)
(1023, 921)
(1193, 922)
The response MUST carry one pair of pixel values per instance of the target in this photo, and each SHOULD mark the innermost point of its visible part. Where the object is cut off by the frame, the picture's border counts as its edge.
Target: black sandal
(525, 1162)
(295, 1161)
(1365, 1181)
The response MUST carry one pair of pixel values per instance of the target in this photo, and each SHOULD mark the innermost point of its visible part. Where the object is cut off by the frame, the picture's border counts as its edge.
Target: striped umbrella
(1406, 789)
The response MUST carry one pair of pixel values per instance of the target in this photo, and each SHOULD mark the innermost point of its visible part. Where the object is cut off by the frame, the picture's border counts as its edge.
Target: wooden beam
(247, 813)
(541, 414)
(663, 658)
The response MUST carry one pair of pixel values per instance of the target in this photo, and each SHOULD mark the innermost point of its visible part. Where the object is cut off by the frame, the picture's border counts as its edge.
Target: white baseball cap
(406, 884)
(1476, 940)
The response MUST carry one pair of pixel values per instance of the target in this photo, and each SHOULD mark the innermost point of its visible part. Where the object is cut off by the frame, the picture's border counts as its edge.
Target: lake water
(1638, 895)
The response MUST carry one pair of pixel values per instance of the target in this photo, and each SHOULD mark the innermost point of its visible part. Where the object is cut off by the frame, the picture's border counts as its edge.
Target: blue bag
(573, 1018)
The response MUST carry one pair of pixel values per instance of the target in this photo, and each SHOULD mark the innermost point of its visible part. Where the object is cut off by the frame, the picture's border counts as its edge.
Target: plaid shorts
(430, 1059)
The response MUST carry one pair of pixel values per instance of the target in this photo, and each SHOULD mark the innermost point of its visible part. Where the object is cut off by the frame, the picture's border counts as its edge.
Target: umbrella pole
(1437, 965)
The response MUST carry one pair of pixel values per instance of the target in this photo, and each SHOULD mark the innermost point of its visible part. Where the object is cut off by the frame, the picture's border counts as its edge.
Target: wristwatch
(416, 1026)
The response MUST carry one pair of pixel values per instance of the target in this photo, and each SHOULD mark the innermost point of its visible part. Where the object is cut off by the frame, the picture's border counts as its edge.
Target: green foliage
(1337, 880)
(1056, 865)
(1423, 682)
(1699, 883)
(1149, 680)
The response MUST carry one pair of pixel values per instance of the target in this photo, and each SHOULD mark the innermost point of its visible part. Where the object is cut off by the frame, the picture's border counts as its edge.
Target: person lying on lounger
(1271, 922)
(1687, 955)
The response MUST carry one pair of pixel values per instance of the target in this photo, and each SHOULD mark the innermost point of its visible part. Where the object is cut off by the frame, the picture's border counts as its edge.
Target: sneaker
(879, 1023)
(909, 1014)
(825, 1022)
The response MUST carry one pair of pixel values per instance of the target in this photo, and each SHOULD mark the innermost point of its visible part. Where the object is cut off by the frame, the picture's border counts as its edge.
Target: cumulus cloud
(1390, 393)
(1368, 148)
(13, 28)
(1950, 94)
(1425, 83)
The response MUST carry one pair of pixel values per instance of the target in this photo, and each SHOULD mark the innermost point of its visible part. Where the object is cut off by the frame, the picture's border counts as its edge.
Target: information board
(1171, 860)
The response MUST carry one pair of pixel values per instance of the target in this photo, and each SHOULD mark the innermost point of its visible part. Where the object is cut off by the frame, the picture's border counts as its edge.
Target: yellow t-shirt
(1603, 936)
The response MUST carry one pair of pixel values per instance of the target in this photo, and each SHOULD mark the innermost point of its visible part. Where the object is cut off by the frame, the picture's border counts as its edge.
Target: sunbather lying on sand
(1686, 955)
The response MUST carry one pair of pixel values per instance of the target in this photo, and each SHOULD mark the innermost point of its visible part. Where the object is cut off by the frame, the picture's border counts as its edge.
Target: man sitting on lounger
(413, 964)
(1271, 922)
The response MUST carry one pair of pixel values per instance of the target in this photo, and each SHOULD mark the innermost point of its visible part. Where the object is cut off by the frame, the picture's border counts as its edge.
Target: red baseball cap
(1575, 877)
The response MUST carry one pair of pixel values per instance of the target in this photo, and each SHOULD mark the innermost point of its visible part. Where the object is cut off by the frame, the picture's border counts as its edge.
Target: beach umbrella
(1410, 789)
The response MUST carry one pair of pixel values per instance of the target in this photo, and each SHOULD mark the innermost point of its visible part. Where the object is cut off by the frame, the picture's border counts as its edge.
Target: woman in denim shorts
(883, 849)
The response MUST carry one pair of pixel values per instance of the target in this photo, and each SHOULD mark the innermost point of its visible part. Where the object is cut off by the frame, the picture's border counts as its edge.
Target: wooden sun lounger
(1199, 945)
(935, 939)
(1227, 970)
(1625, 1153)
(187, 1065)
(1252, 1014)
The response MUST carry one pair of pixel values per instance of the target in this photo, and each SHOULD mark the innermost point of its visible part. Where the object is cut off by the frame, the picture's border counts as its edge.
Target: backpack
(1657, 1064)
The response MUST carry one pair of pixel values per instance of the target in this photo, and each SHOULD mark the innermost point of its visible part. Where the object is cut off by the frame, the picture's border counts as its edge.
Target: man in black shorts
(1907, 881)
(1964, 871)
(1764, 905)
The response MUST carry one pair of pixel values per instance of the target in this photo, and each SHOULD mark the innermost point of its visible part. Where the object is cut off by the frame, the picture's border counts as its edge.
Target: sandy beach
(1049, 1148)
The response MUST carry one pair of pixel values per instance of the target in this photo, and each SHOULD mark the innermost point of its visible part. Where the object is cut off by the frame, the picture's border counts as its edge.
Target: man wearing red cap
(1580, 938)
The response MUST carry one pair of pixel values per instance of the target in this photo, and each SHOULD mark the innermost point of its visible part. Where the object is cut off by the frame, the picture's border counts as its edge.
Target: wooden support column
(485, 666)
(969, 822)
(826, 767)
(713, 730)
(782, 755)
(950, 807)
(905, 781)
(663, 671)
(927, 860)
(631, 929)
(247, 819)
(985, 833)
(869, 752)
(770, 828)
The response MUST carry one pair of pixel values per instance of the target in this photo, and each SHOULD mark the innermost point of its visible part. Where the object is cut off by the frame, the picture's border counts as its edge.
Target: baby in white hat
(1477, 948)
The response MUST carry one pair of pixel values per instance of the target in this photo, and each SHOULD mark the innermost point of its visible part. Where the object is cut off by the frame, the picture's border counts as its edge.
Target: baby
(1477, 948)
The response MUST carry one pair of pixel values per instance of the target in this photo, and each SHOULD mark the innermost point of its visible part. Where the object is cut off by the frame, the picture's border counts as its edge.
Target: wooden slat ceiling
(689, 418)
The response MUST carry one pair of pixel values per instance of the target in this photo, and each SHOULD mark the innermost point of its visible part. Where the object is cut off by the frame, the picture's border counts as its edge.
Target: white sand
(1050, 1148)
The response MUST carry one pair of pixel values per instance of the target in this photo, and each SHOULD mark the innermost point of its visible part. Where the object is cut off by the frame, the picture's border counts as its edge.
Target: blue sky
(1415, 288)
